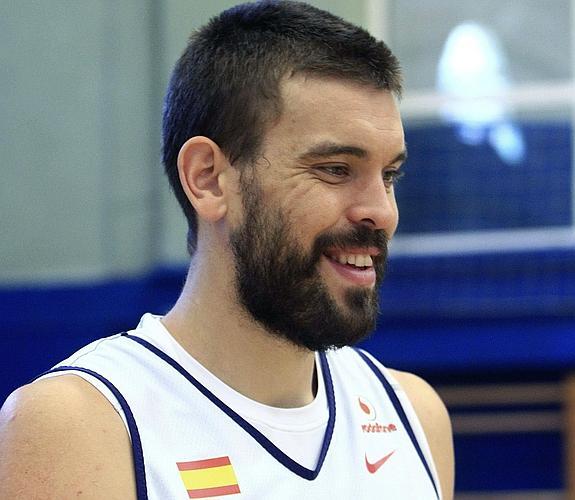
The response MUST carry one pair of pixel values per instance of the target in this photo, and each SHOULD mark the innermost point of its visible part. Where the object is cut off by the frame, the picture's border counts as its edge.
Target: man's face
(319, 208)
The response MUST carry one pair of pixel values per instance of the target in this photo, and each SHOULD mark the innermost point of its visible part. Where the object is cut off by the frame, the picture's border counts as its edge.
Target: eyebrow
(327, 149)
(400, 158)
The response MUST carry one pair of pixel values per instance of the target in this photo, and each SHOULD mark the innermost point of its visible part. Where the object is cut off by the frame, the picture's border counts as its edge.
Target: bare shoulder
(436, 424)
(423, 397)
(60, 438)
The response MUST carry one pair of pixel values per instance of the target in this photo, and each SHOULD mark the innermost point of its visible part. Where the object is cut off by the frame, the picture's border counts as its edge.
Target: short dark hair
(226, 84)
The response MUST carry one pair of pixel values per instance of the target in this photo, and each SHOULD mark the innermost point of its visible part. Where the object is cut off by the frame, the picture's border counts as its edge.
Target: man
(282, 142)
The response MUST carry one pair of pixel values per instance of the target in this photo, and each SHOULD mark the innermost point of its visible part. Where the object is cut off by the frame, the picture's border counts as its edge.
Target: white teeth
(354, 260)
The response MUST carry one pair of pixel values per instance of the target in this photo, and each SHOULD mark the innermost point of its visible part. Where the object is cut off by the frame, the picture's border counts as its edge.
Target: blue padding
(460, 345)
(500, 462)
(40, 326)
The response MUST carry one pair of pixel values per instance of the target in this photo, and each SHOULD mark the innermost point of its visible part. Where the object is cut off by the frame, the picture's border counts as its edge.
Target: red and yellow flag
(209, 478)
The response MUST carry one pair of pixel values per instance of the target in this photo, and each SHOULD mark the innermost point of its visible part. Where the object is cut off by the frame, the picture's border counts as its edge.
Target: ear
(201, 164)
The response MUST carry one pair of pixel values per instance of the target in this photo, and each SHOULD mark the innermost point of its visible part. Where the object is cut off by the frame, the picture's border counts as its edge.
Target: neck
(213, 327)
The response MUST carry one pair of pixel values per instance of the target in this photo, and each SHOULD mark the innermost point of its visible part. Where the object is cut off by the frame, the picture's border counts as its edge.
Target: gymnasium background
(480, 295)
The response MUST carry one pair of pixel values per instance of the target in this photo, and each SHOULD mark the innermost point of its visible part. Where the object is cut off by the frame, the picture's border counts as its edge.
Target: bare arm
(60, 438)
(436, 424)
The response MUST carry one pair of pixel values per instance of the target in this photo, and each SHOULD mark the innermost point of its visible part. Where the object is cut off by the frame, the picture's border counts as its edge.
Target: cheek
(312, 213)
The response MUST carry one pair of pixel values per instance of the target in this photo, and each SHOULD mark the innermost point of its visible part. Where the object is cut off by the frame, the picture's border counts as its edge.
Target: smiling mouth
(352, 260)
(354, 265)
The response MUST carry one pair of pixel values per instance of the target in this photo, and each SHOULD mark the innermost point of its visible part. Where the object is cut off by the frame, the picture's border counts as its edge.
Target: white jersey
(188, 443)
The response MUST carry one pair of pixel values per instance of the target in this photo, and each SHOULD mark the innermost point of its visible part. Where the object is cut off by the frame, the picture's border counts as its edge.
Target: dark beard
(281, 287)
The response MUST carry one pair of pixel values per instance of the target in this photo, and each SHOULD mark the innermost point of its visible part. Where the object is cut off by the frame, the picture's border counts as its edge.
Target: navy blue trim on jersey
(401, 413)
(137, 452)
(271, 448)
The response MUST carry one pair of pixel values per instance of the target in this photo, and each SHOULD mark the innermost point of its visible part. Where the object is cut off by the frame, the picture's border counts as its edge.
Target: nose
(374, 205)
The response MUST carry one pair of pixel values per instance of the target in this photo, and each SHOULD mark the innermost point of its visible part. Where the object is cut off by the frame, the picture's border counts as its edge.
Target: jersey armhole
(407, 415)
(96, 383)
(120, 404)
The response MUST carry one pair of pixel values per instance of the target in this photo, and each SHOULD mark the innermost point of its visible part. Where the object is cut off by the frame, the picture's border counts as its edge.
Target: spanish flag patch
(209, 478)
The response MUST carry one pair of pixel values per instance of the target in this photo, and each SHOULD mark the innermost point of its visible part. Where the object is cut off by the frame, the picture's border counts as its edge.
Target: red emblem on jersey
(372, 468)
(366, 407)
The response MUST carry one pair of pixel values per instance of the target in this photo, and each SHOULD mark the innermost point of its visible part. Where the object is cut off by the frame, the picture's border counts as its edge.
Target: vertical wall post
(377, 16)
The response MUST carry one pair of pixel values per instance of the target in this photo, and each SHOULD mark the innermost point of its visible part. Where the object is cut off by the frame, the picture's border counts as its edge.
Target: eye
(335, 170)
(390, 177)
(333, 174)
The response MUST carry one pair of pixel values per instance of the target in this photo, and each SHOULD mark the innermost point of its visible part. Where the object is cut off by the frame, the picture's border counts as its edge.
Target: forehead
(316, 110)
